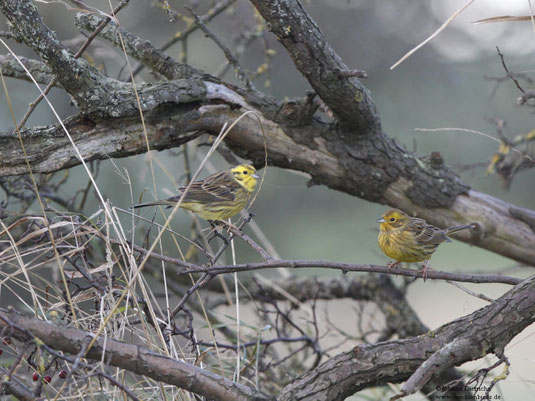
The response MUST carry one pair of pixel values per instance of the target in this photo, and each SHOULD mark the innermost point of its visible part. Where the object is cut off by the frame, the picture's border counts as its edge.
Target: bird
(410, 239)
(217, 197)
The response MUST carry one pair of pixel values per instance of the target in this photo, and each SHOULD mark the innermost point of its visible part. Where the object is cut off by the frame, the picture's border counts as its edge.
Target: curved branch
(320, 65)
(83, 82)
(134, 358)
(487, 330)
(182, 106)
(39, 70)
(142, 49)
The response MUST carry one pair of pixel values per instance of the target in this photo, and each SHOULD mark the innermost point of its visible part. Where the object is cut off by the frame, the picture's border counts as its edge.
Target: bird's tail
(154, 203)
(453, 230)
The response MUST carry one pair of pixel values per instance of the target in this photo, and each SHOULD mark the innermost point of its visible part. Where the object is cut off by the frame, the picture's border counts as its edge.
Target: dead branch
(134, 358)
(348, 267)
(485, 331)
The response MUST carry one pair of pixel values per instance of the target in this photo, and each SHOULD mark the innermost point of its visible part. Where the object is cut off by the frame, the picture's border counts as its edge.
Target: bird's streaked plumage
(410, 239)
(217, 197)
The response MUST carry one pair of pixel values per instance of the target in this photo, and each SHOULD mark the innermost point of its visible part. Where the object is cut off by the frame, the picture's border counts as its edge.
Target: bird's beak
(381, 220)
(255, 176)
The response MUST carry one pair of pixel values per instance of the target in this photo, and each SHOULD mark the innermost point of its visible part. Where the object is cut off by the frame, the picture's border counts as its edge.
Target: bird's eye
(392, 219)
(245, 172)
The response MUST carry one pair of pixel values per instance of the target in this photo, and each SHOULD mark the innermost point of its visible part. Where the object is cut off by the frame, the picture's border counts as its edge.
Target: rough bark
(134, 358)
(485, 331)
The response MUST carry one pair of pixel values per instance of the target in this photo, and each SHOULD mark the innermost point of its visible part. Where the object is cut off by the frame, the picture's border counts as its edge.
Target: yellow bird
(217, 197)
(410, 239)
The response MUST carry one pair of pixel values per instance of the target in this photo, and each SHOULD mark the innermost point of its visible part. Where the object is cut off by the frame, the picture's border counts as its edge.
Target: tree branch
(372, 167)
(320, 64)
(39, 70)
(348, 267)
(134, 358)
(142, 49)
(83, 82)
(485, 331)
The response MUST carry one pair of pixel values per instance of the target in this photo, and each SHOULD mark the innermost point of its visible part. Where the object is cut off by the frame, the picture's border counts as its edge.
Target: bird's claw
(425, 269)
(217, 234)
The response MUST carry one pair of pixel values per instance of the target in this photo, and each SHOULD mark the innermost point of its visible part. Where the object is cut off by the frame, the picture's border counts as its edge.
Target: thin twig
(261, 251)
(470, 292)
(226, 51)
(52, 83)
(183, 36)
(256, 342)
(508, 72)
(349, 267)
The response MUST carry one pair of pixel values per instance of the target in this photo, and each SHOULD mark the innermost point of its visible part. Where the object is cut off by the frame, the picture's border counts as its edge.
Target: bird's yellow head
(246, 176)
(393, 219)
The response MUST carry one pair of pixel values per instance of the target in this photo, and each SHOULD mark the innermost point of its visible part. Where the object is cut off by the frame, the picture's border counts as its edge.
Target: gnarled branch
(135, 358)
(485, 331)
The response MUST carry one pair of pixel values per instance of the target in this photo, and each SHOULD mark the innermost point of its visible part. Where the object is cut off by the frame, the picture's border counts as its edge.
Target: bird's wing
(426, 233)
(216, 187)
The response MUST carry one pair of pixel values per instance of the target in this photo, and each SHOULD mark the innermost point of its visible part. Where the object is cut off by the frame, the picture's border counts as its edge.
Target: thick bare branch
(320, 65)
(83, 82)
(48, 148)
(133, 358)
(185, 105)
(142, 49)
(12, 68)
(485, 331)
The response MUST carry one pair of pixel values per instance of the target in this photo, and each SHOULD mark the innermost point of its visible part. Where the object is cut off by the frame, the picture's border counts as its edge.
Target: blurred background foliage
(441, 85)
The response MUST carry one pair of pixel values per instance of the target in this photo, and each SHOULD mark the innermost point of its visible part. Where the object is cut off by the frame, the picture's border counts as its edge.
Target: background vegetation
(449, 83)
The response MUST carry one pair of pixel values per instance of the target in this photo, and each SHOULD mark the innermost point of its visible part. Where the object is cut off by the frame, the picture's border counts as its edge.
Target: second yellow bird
(410, 239)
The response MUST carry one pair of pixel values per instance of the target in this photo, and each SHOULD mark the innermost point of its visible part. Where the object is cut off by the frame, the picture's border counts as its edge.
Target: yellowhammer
(217, 197)
(410, 239)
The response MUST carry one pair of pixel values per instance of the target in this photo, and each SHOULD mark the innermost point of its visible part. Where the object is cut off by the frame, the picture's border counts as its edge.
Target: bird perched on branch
(410, 239)
(217, 197)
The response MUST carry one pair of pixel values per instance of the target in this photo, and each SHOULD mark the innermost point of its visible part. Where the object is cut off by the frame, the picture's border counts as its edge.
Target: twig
(469, 292)
(261, 251)
(508, 72)
(226, 51)
(116, 383)
(255, 342)
(349, 267)
(481, 374)
(205, 278)
(183, 36)
(530, 94)
(354, 73)
(8, 35)
(218, 254)
(52, 83)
